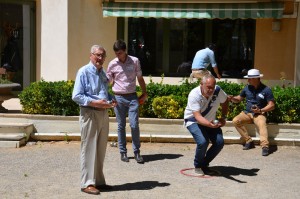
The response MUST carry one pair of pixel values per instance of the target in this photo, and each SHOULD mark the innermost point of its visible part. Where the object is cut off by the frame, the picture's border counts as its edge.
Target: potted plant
(6, 87)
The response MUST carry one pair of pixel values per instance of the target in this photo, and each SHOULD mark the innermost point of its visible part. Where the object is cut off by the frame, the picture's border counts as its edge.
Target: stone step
(12, 136)
(12, 144)
(15, 134)
(47, 128)
(229, 139)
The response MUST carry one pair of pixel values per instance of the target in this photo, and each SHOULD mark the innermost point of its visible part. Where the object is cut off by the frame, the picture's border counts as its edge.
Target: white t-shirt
(197, 102)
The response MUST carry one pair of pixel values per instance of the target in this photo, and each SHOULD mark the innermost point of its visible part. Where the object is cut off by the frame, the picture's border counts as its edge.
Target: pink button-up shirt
(123, 75)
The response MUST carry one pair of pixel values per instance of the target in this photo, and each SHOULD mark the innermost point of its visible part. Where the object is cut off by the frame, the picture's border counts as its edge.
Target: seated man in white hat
(259, 100)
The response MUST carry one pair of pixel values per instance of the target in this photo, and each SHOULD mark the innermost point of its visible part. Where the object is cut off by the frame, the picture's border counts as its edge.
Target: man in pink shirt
(122, 72)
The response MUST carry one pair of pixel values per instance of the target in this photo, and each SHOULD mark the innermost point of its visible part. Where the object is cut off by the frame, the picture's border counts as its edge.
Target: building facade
(51, 39)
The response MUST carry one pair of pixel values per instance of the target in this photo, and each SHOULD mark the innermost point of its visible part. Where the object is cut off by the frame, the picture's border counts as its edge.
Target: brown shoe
(91, 190)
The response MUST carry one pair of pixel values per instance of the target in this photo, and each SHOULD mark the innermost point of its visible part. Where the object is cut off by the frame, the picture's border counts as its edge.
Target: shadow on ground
(229, 172)
(272, 149)
(143, 185)
(155, 157)
(14, 111)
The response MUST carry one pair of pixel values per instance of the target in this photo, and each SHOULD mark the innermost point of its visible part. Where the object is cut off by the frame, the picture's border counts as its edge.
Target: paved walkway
(51, 170)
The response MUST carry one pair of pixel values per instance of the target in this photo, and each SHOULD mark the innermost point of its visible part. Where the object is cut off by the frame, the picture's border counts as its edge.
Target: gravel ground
(51, 170)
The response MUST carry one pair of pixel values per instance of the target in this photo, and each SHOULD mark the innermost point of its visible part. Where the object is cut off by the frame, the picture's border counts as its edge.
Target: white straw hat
(253, 73)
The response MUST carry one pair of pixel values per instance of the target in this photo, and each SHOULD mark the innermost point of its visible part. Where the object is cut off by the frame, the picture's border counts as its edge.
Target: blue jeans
(202, 135)
(128, 104)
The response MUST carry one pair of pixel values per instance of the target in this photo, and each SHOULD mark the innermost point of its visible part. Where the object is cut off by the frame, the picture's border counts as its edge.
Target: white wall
(66, 30)
(54, 40)
(86, 27)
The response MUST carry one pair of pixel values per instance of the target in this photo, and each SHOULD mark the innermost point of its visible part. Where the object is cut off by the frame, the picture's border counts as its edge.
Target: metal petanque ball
(216, 121)
(113, 144)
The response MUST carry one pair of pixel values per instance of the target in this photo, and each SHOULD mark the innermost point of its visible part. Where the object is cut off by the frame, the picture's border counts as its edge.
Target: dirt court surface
(51, 170)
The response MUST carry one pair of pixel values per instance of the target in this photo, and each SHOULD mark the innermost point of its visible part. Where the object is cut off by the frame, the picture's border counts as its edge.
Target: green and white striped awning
(199, 11)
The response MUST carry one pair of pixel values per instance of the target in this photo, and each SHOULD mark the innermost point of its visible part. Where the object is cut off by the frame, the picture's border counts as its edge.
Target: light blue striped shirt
(90, 84)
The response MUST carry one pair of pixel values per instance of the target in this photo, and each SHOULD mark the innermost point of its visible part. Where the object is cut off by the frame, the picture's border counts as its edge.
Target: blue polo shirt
(259, 97)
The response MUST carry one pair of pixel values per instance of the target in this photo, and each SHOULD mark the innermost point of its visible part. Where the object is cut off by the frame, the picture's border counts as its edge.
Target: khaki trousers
(94, 126)
(198, 74)
(260, 122)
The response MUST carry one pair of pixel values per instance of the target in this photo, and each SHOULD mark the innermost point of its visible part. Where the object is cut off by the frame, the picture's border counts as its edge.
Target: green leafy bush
(51, 98)
(4, 81)
(232, 89)
(164, 101)
(180, 93)
(170, 107)
(287, 105)
(159, 89)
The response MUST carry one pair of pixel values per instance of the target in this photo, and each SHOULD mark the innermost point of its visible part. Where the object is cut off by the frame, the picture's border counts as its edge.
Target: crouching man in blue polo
(200, 119)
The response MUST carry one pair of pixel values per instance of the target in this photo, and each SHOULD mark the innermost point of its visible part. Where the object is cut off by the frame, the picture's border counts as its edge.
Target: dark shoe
(199, 172)
(138, 158)
(104, 187)
(124, 157)
(210, 172)
(265, 151)
(249, 145)
(91, 190)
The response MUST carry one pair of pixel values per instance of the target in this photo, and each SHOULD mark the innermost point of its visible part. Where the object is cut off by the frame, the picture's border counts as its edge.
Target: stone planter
(6, 94)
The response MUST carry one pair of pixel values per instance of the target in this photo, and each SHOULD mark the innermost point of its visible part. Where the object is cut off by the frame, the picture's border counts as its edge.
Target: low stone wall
(152, 129)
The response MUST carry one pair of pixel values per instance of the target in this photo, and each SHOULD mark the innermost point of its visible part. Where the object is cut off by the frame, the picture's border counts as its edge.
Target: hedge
(164, 100)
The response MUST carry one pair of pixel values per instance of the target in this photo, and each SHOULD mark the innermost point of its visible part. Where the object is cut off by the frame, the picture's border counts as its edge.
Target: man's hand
(256, 110)
(222, 121)
(143, 98)
(234, 99)
(112, 103)
(103, 103)
(215, 124)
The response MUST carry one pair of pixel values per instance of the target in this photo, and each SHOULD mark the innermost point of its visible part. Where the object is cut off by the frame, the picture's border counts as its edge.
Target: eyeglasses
(99, 55)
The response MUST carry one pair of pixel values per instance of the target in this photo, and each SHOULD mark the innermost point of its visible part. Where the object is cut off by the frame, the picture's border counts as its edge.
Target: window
(163, 44)
(17, 40)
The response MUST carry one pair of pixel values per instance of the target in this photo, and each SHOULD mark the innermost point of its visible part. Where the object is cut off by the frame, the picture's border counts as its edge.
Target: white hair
(206, 77)
(95, 47)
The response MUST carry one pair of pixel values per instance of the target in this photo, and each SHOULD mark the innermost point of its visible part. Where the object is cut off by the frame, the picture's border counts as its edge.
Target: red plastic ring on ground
(182, 171)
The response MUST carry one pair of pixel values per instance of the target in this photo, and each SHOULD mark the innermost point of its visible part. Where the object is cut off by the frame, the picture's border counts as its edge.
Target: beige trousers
(260, 122)
(198, 74)
(94, 134)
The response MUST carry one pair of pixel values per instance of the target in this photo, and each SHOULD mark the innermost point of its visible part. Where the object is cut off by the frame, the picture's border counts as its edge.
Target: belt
(93, 108)
(125, 94)
(195, 69)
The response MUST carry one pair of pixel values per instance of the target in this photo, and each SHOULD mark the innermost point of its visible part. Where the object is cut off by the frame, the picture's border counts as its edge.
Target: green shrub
(160, 89)
(287, 105)
(169, 107)
(232, 89)
(181, 92)
(164, 101)
(5, 81)
(50, 98)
